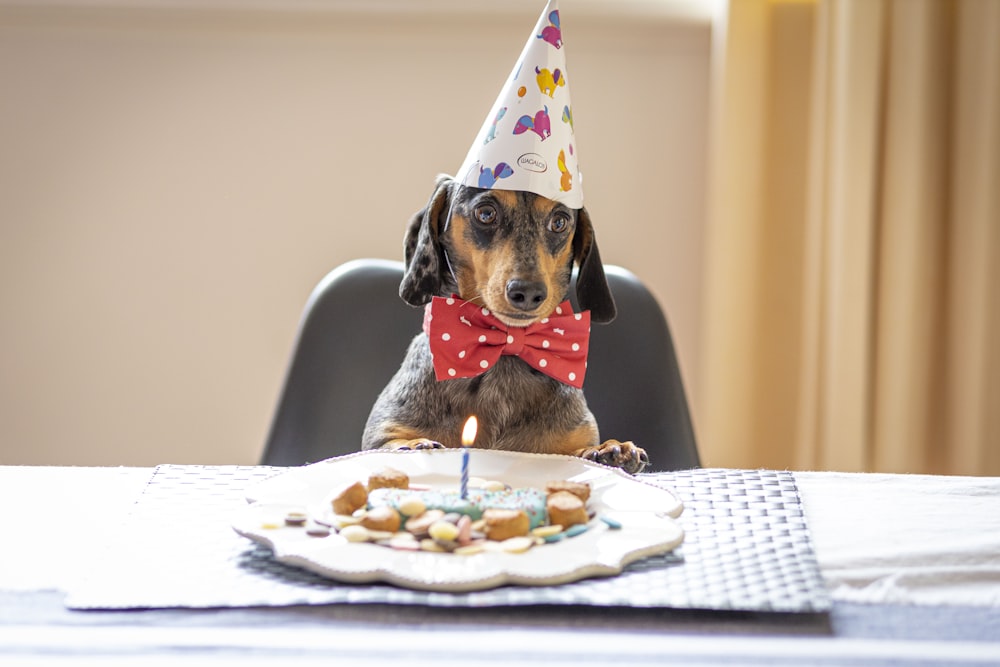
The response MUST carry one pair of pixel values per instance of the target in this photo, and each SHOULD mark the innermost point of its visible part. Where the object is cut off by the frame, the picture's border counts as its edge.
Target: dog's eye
(558, 224)
(486, 214)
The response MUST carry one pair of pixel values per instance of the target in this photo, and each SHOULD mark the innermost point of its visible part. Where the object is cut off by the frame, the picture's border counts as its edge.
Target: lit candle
(468, 437)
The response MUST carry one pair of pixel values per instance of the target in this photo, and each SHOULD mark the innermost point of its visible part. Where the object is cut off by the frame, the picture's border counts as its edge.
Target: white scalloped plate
(646, 513)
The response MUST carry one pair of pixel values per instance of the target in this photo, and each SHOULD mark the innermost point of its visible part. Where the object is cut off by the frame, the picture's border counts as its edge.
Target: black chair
(355, 331)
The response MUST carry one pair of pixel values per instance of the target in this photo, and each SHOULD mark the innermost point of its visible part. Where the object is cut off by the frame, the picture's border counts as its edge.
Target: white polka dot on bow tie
(510, 339)
(450, 301)
(558, 310)
(572, 376)
(577, 316)
(544, 320)
(482, 338)
(486, 311)
(484, 364)
(461, 355)
(576, 347)
(446, 336)
(543, 362)
(451, 372)
(545, 344)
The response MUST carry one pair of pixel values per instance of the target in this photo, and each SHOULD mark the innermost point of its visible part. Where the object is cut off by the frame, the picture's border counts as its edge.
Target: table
(912, 564)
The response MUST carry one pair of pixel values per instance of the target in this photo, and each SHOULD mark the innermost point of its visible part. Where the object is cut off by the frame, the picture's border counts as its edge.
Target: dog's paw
(415, 444)
(624, 455)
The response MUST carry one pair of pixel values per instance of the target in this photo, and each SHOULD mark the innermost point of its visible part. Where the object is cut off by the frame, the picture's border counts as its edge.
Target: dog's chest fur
(511, 401)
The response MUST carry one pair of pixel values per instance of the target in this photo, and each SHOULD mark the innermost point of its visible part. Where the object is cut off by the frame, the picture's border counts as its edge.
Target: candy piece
(341, 520)
(388, 478)
(382, 518)
(502, 524)
(464, 526)
(613, 524)
(469, 550)
(516, 545)
(575, 530)
(444, 531)
(354, 533)
(431, 545)
(566, 509)
(412, 506)
(317, 530)
(547, 531)
(419, 525)
(404, 542)
(349, 498)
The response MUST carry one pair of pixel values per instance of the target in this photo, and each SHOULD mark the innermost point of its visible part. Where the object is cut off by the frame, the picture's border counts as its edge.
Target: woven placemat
(746, 548)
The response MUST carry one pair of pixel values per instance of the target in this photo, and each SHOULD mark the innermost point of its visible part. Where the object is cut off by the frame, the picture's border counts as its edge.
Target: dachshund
(511, 253)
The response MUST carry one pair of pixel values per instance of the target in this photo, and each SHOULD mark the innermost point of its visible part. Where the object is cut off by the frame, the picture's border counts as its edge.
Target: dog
(488, 177)
(492, 134)
(540, 124)
(565, 177)
(548, 81)
(552, 33)
(511, 253)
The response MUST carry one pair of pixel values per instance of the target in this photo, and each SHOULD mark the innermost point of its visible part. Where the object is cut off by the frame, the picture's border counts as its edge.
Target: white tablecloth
(919, 539)
(878, 538)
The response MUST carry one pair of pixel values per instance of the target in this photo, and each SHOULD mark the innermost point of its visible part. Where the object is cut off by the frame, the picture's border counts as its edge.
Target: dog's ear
(592, 289)
(423, 257)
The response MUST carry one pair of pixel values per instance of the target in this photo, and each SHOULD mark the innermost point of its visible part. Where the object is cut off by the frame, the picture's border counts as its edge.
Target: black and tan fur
(512, 252)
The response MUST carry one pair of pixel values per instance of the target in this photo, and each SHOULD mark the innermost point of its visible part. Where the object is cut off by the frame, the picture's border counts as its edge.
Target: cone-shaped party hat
(527, 142)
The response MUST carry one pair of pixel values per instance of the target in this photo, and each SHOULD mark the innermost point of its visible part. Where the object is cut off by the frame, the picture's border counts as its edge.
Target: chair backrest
(355, 331)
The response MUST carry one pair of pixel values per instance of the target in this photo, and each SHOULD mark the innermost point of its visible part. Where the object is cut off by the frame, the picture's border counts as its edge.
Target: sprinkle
(317, 530)
(613, 524)
(296, 518)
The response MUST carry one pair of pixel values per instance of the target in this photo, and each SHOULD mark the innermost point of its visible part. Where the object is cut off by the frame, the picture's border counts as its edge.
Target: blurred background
(809, 188)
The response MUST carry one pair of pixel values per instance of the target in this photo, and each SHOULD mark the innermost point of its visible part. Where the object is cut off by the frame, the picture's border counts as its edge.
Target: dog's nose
(526, 294)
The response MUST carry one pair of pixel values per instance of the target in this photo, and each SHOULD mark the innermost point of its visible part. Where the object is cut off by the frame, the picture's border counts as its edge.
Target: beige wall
(173, 182)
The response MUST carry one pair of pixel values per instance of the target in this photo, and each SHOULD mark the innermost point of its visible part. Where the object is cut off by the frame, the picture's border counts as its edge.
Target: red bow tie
(467, 340)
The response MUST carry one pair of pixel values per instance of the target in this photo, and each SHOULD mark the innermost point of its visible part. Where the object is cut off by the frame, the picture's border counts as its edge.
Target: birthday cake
(529, 501)
(486, 515)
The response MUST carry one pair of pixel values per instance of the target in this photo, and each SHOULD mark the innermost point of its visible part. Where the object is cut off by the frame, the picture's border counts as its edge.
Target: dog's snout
(526, 294)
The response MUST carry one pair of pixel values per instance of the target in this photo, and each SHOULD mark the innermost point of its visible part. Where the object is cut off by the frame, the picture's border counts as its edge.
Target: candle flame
(469, 432)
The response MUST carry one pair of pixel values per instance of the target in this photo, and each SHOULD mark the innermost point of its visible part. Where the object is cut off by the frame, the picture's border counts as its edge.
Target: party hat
(527, 142)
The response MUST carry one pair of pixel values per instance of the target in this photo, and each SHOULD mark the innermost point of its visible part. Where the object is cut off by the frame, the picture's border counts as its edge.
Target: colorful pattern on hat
(527, 141)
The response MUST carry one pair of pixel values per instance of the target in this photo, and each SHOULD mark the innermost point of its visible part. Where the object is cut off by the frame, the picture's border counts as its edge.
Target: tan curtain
(852, 297)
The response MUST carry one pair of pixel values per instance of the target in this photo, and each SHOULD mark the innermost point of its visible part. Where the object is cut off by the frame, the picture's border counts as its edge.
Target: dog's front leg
(413, 443)
(624, 455)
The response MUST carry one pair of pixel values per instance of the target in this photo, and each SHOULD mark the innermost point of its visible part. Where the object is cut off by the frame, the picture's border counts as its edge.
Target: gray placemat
(746, 548)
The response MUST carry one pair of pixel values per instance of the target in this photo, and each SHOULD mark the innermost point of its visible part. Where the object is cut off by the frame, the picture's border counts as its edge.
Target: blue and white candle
(468, 437)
